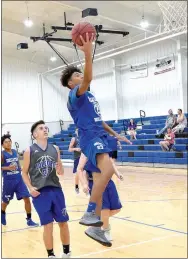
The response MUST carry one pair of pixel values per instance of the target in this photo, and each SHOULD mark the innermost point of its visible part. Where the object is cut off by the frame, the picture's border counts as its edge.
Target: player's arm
(3, 168)
(6, 168)
(119, 144)
(116, 172)
(112, 132)
(59, 166)
(88, 71)
(25, 175)
(83, 177)
(109, 129)
(84, 181)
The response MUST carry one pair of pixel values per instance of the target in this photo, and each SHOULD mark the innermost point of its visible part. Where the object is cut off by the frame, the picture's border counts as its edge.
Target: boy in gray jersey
(41, 162)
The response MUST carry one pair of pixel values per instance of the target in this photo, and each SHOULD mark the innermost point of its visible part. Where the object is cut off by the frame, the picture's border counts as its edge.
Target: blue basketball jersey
(112, 143)
(86, 114)
(11, 159)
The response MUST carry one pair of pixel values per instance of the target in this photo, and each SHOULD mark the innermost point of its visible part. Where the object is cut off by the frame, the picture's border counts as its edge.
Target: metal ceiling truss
(48, 37)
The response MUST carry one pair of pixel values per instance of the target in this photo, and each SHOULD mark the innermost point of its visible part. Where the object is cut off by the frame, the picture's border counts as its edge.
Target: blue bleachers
(145, 149)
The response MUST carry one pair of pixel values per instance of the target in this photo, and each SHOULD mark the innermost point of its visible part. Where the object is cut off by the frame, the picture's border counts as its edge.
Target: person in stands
(181, 122)
(168, 141)
(170, 122)
(132, 129)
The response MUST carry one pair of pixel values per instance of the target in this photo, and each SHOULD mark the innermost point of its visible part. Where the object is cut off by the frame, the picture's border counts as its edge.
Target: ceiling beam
(107, 18)
(27, 38)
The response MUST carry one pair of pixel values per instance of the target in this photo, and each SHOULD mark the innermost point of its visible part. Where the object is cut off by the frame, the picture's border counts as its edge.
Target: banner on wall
(139, 71)
(164, 64)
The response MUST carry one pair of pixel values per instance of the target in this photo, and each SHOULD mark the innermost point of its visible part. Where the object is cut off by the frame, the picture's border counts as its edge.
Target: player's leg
(96, 233)
(76, 180)
(97, 152)
(107, 170)
(30, 222)
(48, 239)
(61, 216)
(7, 195)
(111, 206)
(76, 177)
(65, 239)
(114, 212)
(113, 158)
(23, 193)
(3, 213)
(43, 204)
(82, 162)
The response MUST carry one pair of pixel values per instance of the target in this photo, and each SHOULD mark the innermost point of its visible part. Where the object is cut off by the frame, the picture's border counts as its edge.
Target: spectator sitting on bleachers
(181, 121)
(132, 129)
(170, 122)
(168, 141)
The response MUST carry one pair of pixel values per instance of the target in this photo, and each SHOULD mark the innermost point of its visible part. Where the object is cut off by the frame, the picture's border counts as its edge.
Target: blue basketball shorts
(98, 145)
(110, 199)
(11, 186)
(50, 205)
(76, 162)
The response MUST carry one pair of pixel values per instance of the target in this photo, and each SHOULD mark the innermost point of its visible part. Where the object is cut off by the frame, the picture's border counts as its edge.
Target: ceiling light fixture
(28, 23)
(144, 24)
(53, 59)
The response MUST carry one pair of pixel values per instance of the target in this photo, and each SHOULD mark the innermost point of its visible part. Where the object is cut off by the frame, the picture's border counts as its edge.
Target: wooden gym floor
(151, 224)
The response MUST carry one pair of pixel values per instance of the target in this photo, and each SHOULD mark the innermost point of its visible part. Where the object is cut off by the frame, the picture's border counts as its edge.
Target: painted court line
(153, 173)
(143, 189)
(126, 246)
(159, 225)
(149, 225)
(18, 212)
(162, 200)
(20, 229)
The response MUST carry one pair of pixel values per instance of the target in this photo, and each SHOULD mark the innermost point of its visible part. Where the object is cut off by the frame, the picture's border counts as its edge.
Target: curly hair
(67, 73)
(5, 137)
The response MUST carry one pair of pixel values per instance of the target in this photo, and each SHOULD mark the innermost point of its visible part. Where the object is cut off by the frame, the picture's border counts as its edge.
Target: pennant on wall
(165, 64)
(139, 71)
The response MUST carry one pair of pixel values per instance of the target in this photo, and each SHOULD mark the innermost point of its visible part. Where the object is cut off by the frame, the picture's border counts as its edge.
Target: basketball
(81, 29)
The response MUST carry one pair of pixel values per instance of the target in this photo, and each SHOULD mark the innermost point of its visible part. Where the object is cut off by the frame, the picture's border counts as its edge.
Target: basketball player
(12, 181)
(85, 112)
(74, 147)
(111, 204)
(41, 161)
(114, 143)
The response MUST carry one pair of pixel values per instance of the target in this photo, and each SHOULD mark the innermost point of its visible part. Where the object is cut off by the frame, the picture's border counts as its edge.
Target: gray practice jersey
(42, 169)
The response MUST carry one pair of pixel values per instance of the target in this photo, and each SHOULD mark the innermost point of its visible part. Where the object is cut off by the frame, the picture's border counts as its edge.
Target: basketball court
(140, 72)
(151, 224)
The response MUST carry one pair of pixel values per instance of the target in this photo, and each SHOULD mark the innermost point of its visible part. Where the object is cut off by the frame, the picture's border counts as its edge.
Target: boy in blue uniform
(111, 204)
(75, 147)
(12, 181)
(85, 112)
(41, 165)
(114, 144)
